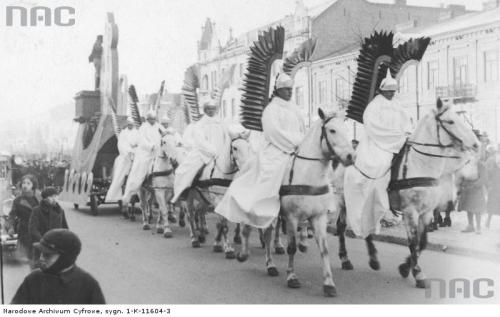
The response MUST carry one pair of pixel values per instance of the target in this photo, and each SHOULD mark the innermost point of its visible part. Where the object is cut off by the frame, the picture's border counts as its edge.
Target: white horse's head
(334, 139)
(241, 151)
(452, 131)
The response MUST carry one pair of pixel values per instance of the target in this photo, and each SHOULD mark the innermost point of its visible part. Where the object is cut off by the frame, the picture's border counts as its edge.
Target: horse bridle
(323, 137)
(440, 124)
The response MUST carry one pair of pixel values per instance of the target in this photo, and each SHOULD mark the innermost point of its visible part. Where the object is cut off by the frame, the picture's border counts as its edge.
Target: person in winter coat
(19, 216)
(59, 280)
(48, 215)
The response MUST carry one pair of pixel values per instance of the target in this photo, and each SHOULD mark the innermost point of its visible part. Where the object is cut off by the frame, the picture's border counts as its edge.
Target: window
(460, 71)
(403, 82)
(341, 91)
(233, 108)
(213, 78)
(491, 65)
(204, 82)
(224, 108)
(432, 75)
(299, 96)
(322, 91)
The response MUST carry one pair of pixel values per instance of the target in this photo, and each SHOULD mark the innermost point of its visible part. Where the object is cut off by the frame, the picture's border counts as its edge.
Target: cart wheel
(76, 206)
(93, 205)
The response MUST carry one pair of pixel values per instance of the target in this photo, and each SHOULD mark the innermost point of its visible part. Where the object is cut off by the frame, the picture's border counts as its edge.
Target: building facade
(460, 63)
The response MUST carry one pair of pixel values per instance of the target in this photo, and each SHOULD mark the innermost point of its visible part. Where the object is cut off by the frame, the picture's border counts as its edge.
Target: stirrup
(396, 213)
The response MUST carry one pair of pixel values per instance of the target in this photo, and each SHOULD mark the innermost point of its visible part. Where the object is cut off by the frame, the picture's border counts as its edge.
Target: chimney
(400, 2)
(456, 10)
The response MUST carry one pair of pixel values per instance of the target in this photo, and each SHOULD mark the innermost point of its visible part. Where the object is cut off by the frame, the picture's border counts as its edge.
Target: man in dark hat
(48, 215)
(59, 280)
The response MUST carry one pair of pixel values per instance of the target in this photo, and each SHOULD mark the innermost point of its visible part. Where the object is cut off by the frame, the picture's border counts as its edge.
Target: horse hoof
(182, 223)
(374, 264)
(217, 248)
(230, 255)
(146, 227)
(279, 250)
(347, 265)
(241, 257)
(404, 270)
(422, 283)
(310, 233)
(272, 271)
(132, 218)
(237, 240)
(195, 244)
(202, 239)
(302, 248)
(125, 215)
(329, 290)
(160, 231)
(168, 234)
(293, 283)
(171, 219)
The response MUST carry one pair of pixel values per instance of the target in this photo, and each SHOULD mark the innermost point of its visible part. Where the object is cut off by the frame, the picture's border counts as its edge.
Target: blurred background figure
(493, 184)
(20, 214)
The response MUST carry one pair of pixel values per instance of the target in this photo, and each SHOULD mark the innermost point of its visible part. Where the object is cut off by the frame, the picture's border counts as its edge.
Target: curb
(436, 247)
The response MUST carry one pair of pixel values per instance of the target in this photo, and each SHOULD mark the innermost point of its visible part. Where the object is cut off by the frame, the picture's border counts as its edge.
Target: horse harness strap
(307, 190)
(212, 182)
(163, 173)
(303, 190)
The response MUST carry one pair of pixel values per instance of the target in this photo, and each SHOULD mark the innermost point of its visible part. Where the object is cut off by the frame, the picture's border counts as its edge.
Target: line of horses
(441, 145)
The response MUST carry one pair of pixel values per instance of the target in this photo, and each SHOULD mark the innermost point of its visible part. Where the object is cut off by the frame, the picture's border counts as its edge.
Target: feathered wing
(191, 83)
(373, 60)
(114, 118)
(410, 52)
(375, 56)
(299, 58)
(134, 109)
(255, 96)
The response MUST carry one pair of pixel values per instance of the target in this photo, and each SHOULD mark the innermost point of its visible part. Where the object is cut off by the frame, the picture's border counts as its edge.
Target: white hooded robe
(127, 143)
(253, 197)
(386, 125)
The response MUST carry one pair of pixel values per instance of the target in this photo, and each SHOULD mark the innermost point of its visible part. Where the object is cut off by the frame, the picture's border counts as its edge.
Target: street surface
(138, 267)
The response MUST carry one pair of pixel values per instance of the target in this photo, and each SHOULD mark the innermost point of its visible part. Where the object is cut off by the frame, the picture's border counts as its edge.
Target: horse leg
(292, 225)
(243, 255)
(261, 238)
(228, 249)
(270, 266)
(144, 197)
(372, 252)
(202, 225)
(237, 234)
(218, 237)
(341, 227)
(278, 246)
(319, 224)
(417, 246)
(303, 237)
(192, 221)
(163, 226)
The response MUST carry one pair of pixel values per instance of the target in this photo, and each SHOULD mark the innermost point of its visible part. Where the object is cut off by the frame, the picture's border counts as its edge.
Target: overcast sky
(42, 67)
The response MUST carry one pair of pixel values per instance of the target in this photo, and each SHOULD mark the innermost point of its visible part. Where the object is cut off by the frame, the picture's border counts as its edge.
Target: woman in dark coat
(493, 186)
(472, 198)
(19, 216)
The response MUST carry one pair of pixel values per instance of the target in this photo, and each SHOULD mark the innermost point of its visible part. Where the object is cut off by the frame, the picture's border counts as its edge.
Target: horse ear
(321, 114)
(439, 104)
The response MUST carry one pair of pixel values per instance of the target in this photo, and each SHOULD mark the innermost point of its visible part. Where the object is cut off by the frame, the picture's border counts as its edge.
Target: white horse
(204, 194)
(160, 185)
(438, 147)
(305, 194)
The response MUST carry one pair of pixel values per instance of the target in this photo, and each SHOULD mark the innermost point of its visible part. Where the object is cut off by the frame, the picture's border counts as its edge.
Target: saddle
(395, 185)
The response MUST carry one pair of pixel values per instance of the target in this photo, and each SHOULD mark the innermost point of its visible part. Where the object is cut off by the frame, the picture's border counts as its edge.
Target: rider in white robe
(210, 143)
(127, 143)
(365, 184)
(253, 197)
(148, 148)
